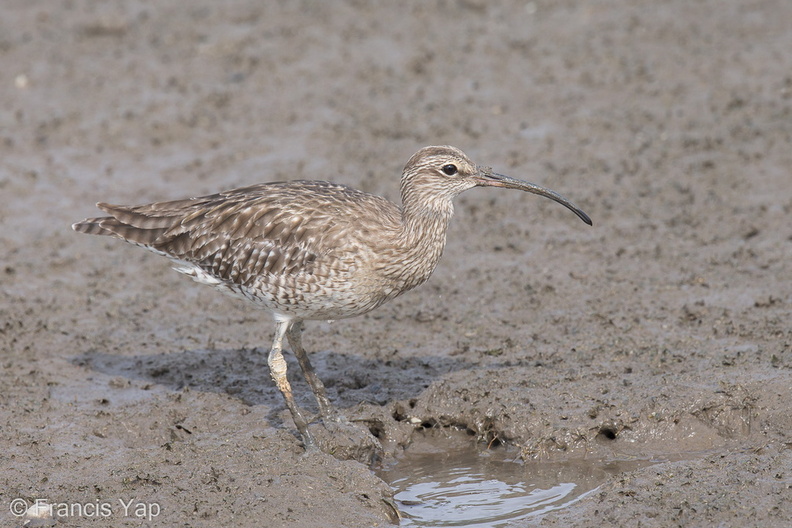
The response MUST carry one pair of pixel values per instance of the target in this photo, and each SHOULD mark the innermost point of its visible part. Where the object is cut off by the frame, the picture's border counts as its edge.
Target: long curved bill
(487, 178)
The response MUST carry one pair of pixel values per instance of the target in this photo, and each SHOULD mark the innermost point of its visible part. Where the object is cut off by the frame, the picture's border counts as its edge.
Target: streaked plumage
(310, 249)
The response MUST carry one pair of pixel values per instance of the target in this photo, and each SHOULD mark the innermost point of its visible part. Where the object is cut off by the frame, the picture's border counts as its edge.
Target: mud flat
(664, 330)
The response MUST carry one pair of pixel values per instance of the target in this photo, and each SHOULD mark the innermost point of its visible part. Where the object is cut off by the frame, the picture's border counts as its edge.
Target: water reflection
(467, 486)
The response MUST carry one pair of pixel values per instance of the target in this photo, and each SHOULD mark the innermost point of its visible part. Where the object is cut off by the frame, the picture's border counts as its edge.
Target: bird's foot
(309, 442)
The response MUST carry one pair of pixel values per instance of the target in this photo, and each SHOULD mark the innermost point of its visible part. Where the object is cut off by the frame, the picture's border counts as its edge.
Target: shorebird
(311, 250)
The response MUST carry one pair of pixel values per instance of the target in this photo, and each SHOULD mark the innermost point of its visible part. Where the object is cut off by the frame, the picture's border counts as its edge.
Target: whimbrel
(311, 250)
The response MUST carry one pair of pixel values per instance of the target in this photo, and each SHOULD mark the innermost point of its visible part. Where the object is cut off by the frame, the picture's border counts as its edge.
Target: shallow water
(468, 486)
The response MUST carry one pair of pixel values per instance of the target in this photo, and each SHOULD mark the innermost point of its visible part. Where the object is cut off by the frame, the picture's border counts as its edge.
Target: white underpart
(196, 273)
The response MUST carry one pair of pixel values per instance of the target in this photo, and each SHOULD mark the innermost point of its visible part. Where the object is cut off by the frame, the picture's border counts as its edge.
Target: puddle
(467, 485)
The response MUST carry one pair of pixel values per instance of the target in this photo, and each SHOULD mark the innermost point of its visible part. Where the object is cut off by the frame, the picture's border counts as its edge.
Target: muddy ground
(662, 330)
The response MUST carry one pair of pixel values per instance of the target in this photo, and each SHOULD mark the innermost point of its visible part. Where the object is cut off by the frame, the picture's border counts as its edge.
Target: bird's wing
(239, 235)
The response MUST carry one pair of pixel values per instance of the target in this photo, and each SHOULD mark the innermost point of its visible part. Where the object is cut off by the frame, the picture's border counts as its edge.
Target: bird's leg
(326, 409)
(277, 366)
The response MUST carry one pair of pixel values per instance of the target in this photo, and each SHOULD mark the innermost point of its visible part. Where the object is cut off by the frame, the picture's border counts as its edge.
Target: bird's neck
(421, 241)
(426, 224)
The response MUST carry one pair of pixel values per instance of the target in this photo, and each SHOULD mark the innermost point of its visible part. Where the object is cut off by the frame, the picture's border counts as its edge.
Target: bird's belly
(302, 295)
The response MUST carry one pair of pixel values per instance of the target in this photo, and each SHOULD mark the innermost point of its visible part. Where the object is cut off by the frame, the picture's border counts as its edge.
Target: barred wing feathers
(239, 235)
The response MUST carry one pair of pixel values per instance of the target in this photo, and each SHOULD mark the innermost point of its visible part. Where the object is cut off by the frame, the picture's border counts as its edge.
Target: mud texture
(664, 329)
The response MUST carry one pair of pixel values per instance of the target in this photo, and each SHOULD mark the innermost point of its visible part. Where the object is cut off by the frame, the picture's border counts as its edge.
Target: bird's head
(434, 176)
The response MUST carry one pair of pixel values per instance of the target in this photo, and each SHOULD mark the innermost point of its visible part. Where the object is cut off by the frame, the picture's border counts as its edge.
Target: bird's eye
(450, 169)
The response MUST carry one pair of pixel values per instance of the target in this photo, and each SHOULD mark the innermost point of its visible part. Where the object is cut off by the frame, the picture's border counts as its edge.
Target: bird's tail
(141, 225)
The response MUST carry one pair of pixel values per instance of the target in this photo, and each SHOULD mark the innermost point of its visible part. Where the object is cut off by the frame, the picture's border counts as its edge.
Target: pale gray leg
(326, 409)
(277, 367)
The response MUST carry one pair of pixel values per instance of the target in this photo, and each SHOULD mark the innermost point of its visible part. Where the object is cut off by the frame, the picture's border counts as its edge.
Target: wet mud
(662, 331)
